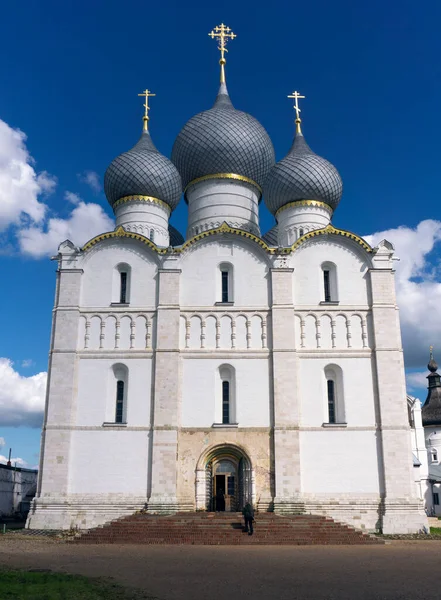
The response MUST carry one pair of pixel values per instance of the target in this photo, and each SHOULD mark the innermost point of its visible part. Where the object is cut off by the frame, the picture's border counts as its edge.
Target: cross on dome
(222, 34)
(295, 96)
(146, 94)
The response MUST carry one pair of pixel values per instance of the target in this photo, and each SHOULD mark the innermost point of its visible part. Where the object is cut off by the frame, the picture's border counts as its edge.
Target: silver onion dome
(143, 171)
(302, 175)
(223, 140)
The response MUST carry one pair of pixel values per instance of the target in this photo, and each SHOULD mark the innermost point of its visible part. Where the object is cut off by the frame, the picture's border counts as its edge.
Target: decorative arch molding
(223, 451)
(328, 230)
(120, 232)
(226, 229)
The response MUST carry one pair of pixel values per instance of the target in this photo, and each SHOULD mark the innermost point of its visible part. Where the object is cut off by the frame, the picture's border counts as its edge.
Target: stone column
(402, 510)
(166, 394)
(286, 403)
(47, 510)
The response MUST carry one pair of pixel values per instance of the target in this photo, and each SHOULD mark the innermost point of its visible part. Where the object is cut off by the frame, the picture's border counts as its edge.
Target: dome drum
(212, 202)
(146, 218)
(297, 218)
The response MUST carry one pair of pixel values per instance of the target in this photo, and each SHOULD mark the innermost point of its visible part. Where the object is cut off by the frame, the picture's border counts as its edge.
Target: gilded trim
(329, 229)
(224, 176)
(138, 198)
(225, 228)
(317, 203)
(122, 233)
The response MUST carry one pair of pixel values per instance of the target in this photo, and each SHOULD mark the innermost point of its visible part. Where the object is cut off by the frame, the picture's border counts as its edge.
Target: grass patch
(30, 585)
(435, 531)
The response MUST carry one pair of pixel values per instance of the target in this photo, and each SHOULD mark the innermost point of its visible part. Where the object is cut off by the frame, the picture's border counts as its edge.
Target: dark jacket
(248, 511)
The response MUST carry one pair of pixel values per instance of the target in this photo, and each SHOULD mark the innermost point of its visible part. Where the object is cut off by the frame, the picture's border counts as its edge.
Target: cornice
(122, 233)
(233, 176)
(295, 203)
(138, 198)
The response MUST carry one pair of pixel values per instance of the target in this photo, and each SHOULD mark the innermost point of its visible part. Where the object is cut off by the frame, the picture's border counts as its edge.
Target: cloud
(20, 184)
(84, 222)
(92, 179)
(28, 362)
(418, 287)
(14, 461)
(416, 380)
(21, 398)
(2, 442)
(72, 198)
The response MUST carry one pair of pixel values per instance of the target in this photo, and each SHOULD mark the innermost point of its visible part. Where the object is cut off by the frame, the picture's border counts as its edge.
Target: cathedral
(232, 365)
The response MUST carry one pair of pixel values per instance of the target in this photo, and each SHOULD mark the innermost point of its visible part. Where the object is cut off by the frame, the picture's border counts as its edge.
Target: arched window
(300, 232)
(152, 235)
(434, 453)
(121, 284)
(226, 407)
(329, 282)
(196, 230)
(334, 401)
(225, 284)
(119, 393)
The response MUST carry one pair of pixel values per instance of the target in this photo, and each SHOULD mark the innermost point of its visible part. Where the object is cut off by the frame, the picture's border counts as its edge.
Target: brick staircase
(224, 529)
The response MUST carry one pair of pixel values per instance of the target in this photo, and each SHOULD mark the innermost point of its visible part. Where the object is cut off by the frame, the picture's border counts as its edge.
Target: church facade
(229, 366)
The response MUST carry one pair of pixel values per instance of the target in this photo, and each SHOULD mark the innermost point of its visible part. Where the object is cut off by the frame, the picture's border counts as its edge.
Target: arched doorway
(224, 480)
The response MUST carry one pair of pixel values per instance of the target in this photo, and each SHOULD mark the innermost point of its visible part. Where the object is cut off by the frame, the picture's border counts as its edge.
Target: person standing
(248, 513)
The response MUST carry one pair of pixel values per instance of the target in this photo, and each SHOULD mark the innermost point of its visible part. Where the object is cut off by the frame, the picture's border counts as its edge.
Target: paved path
(396, 571)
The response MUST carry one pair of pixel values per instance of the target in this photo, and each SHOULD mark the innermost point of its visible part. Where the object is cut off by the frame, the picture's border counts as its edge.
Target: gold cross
(146, 94)
(222, 34)
(295, 96)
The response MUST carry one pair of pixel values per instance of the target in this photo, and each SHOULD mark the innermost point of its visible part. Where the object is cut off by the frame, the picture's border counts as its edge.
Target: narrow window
(331, 401)
(224, 286)
(327, 284)
(436, 499)
(152, 235)
(434, 456)
(300, 231)
(119, 401)
(196, 230)
(225, 402)
(123, 288)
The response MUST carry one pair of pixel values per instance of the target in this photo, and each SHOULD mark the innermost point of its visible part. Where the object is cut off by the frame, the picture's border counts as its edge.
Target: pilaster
(286, 402)
(166, 394)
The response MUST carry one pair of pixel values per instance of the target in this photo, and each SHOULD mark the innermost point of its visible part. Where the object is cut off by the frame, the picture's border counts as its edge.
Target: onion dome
(431, 411)
(143, 171)
(302, 175)
(225, 142)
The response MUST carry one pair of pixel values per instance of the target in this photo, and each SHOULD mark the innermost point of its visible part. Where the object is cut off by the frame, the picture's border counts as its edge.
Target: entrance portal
(228, 480)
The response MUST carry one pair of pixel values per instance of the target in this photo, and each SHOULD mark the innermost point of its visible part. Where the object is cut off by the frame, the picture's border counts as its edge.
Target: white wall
(351, 271)
(98, 278)
(358, 395)
(97, 391)
(201, 275)
(109, 462)
(339, 463)
(201, 392)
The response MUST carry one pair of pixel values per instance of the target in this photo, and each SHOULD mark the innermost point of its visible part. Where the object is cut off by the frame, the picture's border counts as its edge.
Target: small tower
(143, 187)
(223, 156)
(302, 190)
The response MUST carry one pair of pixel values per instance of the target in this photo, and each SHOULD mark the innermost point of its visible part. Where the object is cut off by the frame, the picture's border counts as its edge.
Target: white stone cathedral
(231, 366)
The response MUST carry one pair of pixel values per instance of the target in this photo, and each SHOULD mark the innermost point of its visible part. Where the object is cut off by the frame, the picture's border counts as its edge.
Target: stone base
(65, 514)
(404, 517)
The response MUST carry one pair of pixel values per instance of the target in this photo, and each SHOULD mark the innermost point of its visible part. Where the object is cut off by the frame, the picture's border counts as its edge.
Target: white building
(17, 488)
(198, 374)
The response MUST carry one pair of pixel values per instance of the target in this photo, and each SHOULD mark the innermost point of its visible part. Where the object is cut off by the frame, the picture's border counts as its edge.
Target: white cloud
(418, 288)
(20, 184)
(19, 462)
(2, 442)
(72, 198)
(84, 222)
(28, 362)
(92, 179)
(417, 380)
(21, 398)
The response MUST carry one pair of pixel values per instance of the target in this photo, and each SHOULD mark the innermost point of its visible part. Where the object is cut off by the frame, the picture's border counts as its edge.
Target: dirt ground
(397, 570)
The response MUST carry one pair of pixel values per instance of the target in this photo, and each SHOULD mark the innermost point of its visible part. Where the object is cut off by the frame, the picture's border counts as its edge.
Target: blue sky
(70, 75)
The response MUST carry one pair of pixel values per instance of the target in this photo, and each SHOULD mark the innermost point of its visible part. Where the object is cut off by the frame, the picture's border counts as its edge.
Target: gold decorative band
(317, 203)
(225, 176)
(151, 199)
